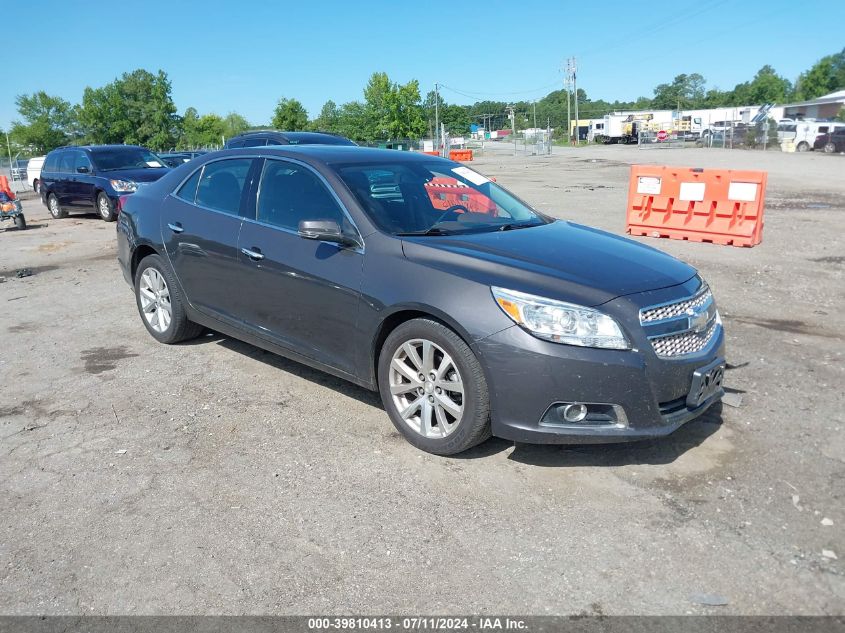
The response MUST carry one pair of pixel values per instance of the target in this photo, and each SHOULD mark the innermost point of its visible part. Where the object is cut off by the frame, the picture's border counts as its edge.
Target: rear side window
(222, 183)
(188, 191)
(235, 144)
(66, 162)
(255, 142)
(51, 163)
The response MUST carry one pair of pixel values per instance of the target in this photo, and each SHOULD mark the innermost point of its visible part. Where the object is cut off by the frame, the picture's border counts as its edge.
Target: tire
(802, 147)
(105, 207)
(829, 148)
(153, 301)
(445, 433)
(55, 208)
(36, 187)
(20, 222)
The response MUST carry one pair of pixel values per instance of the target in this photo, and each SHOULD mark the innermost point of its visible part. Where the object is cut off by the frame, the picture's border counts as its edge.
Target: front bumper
(527, 376)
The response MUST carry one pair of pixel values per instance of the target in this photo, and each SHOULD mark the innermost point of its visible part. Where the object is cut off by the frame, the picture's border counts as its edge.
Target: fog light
(575, 412)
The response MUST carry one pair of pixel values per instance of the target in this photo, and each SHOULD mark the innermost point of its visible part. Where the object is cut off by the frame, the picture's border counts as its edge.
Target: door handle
(254, 254)
(175, 227)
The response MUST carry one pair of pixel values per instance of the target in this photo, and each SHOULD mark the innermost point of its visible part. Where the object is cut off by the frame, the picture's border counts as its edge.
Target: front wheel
(20, 222)
(160, 303)
(433, 388)
(802, 147)
(829, 148)
(105, 207)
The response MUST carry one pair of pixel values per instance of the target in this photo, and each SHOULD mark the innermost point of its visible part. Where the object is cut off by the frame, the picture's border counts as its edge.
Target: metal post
(513, 126)
(9, 147)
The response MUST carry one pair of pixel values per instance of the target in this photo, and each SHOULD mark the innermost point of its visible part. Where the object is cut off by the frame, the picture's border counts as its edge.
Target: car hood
(141, 174)
(559, 260)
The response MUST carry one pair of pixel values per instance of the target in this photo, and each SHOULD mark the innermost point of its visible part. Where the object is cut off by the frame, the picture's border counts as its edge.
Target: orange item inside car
(449, 192)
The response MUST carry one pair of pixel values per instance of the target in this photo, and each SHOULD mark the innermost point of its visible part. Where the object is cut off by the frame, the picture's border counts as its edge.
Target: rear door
(62, 185)
(297, 292)
(200, 224)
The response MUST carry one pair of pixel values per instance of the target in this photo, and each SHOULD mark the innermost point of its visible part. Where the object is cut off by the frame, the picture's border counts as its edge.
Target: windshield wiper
(434, 230)
(516, 225)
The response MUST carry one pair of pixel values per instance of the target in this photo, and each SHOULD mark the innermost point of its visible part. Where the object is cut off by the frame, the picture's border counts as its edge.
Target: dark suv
(260, 138)
(96, 176)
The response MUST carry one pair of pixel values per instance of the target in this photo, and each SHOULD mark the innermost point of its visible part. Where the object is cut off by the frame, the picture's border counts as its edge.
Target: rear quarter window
(188, 191)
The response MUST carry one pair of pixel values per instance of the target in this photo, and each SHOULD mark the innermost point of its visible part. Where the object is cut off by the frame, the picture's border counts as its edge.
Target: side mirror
(83, 170)
(326, 231)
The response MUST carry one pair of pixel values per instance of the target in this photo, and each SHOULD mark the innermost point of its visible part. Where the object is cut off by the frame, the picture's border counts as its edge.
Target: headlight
(561, 322)
(124, 186)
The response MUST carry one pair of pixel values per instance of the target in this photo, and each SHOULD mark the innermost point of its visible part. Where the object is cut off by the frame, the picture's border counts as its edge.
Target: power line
(475, 95)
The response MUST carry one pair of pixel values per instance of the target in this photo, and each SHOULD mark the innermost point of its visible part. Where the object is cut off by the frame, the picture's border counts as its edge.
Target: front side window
(114, 158)
(82, 160)
(433, 198)
(290, 193)
(222, 183)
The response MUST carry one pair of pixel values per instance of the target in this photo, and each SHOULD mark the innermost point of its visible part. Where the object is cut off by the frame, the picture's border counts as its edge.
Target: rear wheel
(105, 207)
(829, 148)
(20, 222)
(36, 187)
(433, 388)
(160, 303)
(803, 146)
(56, 209)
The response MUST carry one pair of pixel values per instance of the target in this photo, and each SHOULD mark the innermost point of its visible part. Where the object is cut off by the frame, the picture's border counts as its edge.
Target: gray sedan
(470, 312)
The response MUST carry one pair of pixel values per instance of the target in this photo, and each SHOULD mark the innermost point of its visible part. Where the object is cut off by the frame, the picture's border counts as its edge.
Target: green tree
(392, 111)
(48, 122)
(329, 118)
(351, 121)
(686, 91)
(766, 87)
(290, 115)
(825, 76)
(234, 124)
(136, 108)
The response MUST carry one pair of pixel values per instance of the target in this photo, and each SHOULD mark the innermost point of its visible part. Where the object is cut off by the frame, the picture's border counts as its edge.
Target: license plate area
(706, 383)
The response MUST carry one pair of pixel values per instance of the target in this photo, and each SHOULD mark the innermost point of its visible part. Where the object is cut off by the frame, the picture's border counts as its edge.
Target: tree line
(137, 108)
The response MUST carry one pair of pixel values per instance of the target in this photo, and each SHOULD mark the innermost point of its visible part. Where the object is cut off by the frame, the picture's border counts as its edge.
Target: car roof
(292, 136)
(96, 147)
(332, 154)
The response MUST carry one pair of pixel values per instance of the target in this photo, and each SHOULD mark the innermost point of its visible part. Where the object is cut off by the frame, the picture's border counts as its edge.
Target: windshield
(410, 198)
(112, 158)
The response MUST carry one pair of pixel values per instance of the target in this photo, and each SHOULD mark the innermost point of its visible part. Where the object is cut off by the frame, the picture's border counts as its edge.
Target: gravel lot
(213, 477)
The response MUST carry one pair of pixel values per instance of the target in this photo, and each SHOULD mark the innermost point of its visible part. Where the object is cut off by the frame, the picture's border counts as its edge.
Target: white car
(33, 173)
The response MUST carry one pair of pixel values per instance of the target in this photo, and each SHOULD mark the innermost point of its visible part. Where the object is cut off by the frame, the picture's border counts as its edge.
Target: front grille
(672, 310)
(688, 342)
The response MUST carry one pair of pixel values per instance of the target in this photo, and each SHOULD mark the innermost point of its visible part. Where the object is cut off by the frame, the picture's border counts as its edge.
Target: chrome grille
(672, 310)
(688, 342)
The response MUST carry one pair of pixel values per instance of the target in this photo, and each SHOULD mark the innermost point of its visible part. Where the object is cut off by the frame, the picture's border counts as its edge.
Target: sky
(242, 56)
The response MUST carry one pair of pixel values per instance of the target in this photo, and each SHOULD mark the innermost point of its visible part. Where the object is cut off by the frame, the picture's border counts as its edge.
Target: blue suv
(96, 176)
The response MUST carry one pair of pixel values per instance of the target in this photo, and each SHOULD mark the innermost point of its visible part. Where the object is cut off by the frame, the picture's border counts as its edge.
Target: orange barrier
(721, 206)
(460, 154)
(445, 193)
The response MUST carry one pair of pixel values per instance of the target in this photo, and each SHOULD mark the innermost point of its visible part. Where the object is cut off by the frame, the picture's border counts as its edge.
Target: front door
(300, 293)
(200, 224)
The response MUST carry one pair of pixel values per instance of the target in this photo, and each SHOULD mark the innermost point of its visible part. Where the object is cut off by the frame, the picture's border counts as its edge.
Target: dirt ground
(213, 477)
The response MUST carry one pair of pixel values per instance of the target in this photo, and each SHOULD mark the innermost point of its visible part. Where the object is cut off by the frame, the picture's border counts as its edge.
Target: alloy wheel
(155, 300)
(105, 208)
(426, 388)
(54, 206)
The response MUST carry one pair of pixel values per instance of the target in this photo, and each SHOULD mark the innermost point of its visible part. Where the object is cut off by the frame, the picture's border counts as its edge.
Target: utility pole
(575, 94)
(436, 117)
(513, 126)
(535, 117)
(567, 83)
